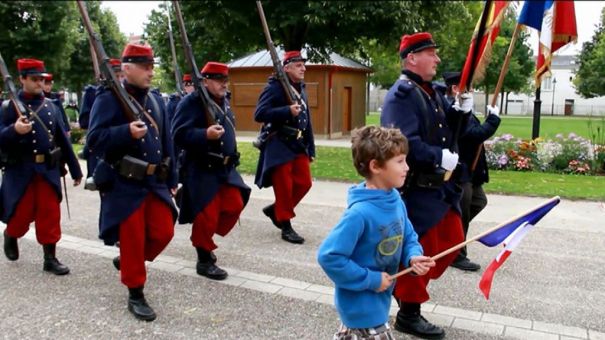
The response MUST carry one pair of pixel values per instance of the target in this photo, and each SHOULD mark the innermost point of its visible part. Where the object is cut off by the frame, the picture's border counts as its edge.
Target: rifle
(175, 65)
(109, 78)
(11, 90)
(212, 111)
(95, 63)
(291, 95)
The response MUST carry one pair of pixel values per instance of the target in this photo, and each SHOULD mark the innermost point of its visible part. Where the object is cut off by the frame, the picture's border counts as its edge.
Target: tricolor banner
(510, 235)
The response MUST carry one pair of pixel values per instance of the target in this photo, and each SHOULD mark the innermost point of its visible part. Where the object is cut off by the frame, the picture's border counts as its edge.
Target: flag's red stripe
(486, 280)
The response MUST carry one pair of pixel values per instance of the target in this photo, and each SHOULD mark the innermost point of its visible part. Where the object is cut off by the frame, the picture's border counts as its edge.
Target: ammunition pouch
(289, 134)
(133, 168)
(219, 161)
(163, 170)
(102, 177)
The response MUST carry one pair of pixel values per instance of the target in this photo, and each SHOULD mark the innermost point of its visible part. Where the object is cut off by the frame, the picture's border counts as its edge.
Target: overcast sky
(132, 16)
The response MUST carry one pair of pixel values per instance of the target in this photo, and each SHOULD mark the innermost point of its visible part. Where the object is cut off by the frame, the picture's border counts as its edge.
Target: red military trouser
(39, 203)
(143, 236)
(218, 217)
(291, 182)
(444, 235)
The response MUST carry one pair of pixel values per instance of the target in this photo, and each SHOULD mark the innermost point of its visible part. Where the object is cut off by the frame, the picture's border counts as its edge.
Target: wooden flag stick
(477, 237)
(503, 72)
(504, 68)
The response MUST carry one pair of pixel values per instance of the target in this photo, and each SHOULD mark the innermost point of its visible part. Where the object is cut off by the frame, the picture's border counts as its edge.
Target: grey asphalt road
(554, 276)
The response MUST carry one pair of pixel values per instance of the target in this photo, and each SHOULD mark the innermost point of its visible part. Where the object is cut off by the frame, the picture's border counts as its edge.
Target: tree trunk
(506, 104)
(486, 99)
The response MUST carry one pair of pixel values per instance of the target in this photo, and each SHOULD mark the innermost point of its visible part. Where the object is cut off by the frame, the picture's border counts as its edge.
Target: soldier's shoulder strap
(5, 104)
(156, 108)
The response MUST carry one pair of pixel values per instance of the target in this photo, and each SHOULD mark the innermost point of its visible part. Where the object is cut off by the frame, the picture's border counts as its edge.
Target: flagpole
(504, 69)
(477, 237)
(503, 72)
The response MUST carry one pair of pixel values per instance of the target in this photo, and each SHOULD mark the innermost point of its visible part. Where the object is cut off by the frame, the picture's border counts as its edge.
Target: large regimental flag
(510, 235)
(483, 40)
(555, 22)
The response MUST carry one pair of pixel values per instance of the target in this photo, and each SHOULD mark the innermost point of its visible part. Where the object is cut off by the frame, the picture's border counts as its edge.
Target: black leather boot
(138, 306)
(269, 211)
(409, 320)
(463, 263)
(11, 247)
(51, 264)
(288, 234)
(206, 265)
(116, 262)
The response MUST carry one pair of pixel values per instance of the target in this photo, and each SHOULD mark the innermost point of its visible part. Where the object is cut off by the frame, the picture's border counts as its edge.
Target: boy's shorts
(382, 332)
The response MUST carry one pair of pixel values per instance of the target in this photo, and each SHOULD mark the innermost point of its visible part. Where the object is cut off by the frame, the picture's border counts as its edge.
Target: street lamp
(554, 84)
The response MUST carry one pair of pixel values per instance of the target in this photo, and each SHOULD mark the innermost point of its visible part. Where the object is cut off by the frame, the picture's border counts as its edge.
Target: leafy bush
(572, 154)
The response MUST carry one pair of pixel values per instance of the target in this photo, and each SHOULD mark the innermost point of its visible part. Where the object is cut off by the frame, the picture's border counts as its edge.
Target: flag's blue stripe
(496, 237)
(532, 13)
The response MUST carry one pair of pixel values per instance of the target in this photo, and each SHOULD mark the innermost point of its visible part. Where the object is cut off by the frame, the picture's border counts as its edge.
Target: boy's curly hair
(374, 142)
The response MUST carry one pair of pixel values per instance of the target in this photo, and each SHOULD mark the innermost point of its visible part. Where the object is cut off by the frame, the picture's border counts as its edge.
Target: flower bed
(571, 154)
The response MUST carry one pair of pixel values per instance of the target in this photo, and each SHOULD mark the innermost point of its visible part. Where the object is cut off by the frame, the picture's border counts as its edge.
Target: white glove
(449, 159)
(493, 110)
(464, 102)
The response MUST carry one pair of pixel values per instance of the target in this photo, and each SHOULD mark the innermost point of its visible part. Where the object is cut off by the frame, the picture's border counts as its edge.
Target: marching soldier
(88, 99)
(473, 197)
(289, 147)
(175, 98)
(31, 187)
(426, 118)
(214, 193)
(90, 93)
(55, 99)
(135, 176)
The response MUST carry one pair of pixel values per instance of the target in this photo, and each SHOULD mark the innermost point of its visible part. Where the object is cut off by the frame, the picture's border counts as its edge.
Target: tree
(590, 76)
(37, 29)
(52, 31)
(80, 71)
(224, 30)
(451, 24)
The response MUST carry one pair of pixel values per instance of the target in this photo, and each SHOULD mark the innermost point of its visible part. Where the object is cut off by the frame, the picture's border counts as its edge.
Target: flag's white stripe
(511, 242)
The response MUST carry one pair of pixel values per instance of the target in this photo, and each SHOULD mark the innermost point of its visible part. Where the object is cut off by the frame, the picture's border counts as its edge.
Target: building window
(547, 84)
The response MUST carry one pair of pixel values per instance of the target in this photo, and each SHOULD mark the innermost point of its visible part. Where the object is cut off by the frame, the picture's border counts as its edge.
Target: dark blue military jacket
(200, 172)
(425, 121)
(22, 149)
(109, 135)
(88, 98)
(173, 101)
(470, 141)
(54, 98)
(273, 111)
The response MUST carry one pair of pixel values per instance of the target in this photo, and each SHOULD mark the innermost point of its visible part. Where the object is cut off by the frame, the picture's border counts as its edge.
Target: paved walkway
(551, 288)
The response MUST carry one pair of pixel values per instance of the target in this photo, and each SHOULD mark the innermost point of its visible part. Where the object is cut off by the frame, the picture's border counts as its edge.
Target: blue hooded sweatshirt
(374, 235)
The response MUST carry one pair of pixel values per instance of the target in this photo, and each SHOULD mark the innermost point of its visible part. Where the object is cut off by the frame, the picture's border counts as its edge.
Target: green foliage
(77, 135)
(590, 76)
(37, 29)
(52, 31)
(364, 30)
(335, 163)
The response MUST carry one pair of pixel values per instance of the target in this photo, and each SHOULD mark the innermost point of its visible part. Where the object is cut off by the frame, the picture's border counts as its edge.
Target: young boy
(374, 236)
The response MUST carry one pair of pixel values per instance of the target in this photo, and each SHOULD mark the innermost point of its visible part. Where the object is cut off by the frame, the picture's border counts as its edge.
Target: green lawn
(521, 126)
(334, 163)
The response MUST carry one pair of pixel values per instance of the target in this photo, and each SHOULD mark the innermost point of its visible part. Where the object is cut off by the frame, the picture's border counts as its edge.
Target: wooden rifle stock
(110, 80)
(196, 77)
(9, 85)
(177, 72)
(291, 96)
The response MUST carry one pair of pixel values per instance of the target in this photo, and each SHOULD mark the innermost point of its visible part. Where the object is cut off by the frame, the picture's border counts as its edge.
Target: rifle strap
(156, 108)
(298, 96)
(154, 124)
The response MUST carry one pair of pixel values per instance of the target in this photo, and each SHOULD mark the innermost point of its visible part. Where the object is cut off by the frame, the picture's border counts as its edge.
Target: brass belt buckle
(151, 169)
(299, 135)
(226, 160)
(39, 158)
